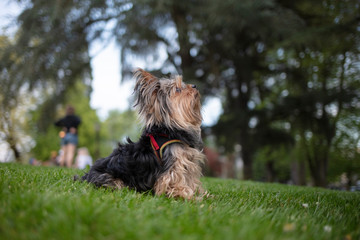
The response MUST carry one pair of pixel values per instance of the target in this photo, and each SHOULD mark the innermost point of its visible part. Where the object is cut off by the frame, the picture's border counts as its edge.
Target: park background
(285, 72)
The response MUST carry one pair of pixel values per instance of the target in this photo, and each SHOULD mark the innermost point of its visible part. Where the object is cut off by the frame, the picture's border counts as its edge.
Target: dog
(167, 158)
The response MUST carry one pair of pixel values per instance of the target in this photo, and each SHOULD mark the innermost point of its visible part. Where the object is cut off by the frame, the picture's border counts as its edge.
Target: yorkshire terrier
(168, 156)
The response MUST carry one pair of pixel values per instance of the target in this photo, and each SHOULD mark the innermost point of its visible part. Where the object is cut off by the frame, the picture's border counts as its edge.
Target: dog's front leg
(183, 177)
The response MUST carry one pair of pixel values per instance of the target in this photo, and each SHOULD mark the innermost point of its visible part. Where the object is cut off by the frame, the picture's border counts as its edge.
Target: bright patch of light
(211, 111)
(108, 94)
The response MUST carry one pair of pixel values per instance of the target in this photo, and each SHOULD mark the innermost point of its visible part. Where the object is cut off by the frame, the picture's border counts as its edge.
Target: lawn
(44, 203)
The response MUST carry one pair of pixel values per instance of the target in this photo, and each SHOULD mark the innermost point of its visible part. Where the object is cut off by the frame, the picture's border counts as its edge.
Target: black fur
(135, 163)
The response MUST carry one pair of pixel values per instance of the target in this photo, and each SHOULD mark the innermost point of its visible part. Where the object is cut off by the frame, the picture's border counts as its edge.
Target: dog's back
(132, 165)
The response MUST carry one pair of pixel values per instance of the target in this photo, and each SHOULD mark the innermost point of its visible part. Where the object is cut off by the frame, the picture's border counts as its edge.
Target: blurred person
(69, 136)
(83, 158)
(54, 158)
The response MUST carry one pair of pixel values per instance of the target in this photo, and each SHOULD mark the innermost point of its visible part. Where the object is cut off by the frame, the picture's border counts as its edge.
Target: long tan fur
(183, 178)
(176, 105)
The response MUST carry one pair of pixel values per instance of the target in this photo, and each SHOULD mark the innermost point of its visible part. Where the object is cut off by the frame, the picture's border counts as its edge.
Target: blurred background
(279, 80)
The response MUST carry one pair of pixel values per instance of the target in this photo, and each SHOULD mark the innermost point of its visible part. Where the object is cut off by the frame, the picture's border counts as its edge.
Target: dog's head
(168, 102)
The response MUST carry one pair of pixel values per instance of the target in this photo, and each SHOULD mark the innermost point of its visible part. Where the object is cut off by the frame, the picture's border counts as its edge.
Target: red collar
(159, 142)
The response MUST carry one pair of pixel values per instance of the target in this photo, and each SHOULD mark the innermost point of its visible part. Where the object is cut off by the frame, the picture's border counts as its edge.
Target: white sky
(108, 91)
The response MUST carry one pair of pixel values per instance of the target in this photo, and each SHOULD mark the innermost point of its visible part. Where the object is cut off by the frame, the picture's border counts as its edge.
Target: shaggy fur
(170, 108)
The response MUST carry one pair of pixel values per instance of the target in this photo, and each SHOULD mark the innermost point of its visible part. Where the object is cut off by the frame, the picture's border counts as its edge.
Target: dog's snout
(193, 86)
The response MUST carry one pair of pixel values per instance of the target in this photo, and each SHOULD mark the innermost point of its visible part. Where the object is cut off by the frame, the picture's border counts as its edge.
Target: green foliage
(272, 164)
(320, 83)
(121, 125)
(99, 137)
(118, 126)
(49, 53)
(14, 102)
(345, 154)
(344, 161)
(48, 141)
(45, 203)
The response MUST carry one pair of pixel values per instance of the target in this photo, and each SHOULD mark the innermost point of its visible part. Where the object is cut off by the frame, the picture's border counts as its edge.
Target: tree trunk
(17, 153)
(179, 17)
(248, 166)
(320, 179)
(270, 171)
(318, 170)
(298, 173)
(317, 153)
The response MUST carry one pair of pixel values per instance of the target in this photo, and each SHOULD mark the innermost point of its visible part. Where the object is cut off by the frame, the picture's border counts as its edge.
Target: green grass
(44, 203)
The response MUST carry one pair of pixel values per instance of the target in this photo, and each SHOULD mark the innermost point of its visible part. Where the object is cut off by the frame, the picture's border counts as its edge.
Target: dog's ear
(146, 88)
(144, 78)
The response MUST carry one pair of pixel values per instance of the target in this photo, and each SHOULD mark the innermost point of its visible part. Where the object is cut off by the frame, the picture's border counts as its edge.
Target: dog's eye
(178, 90)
